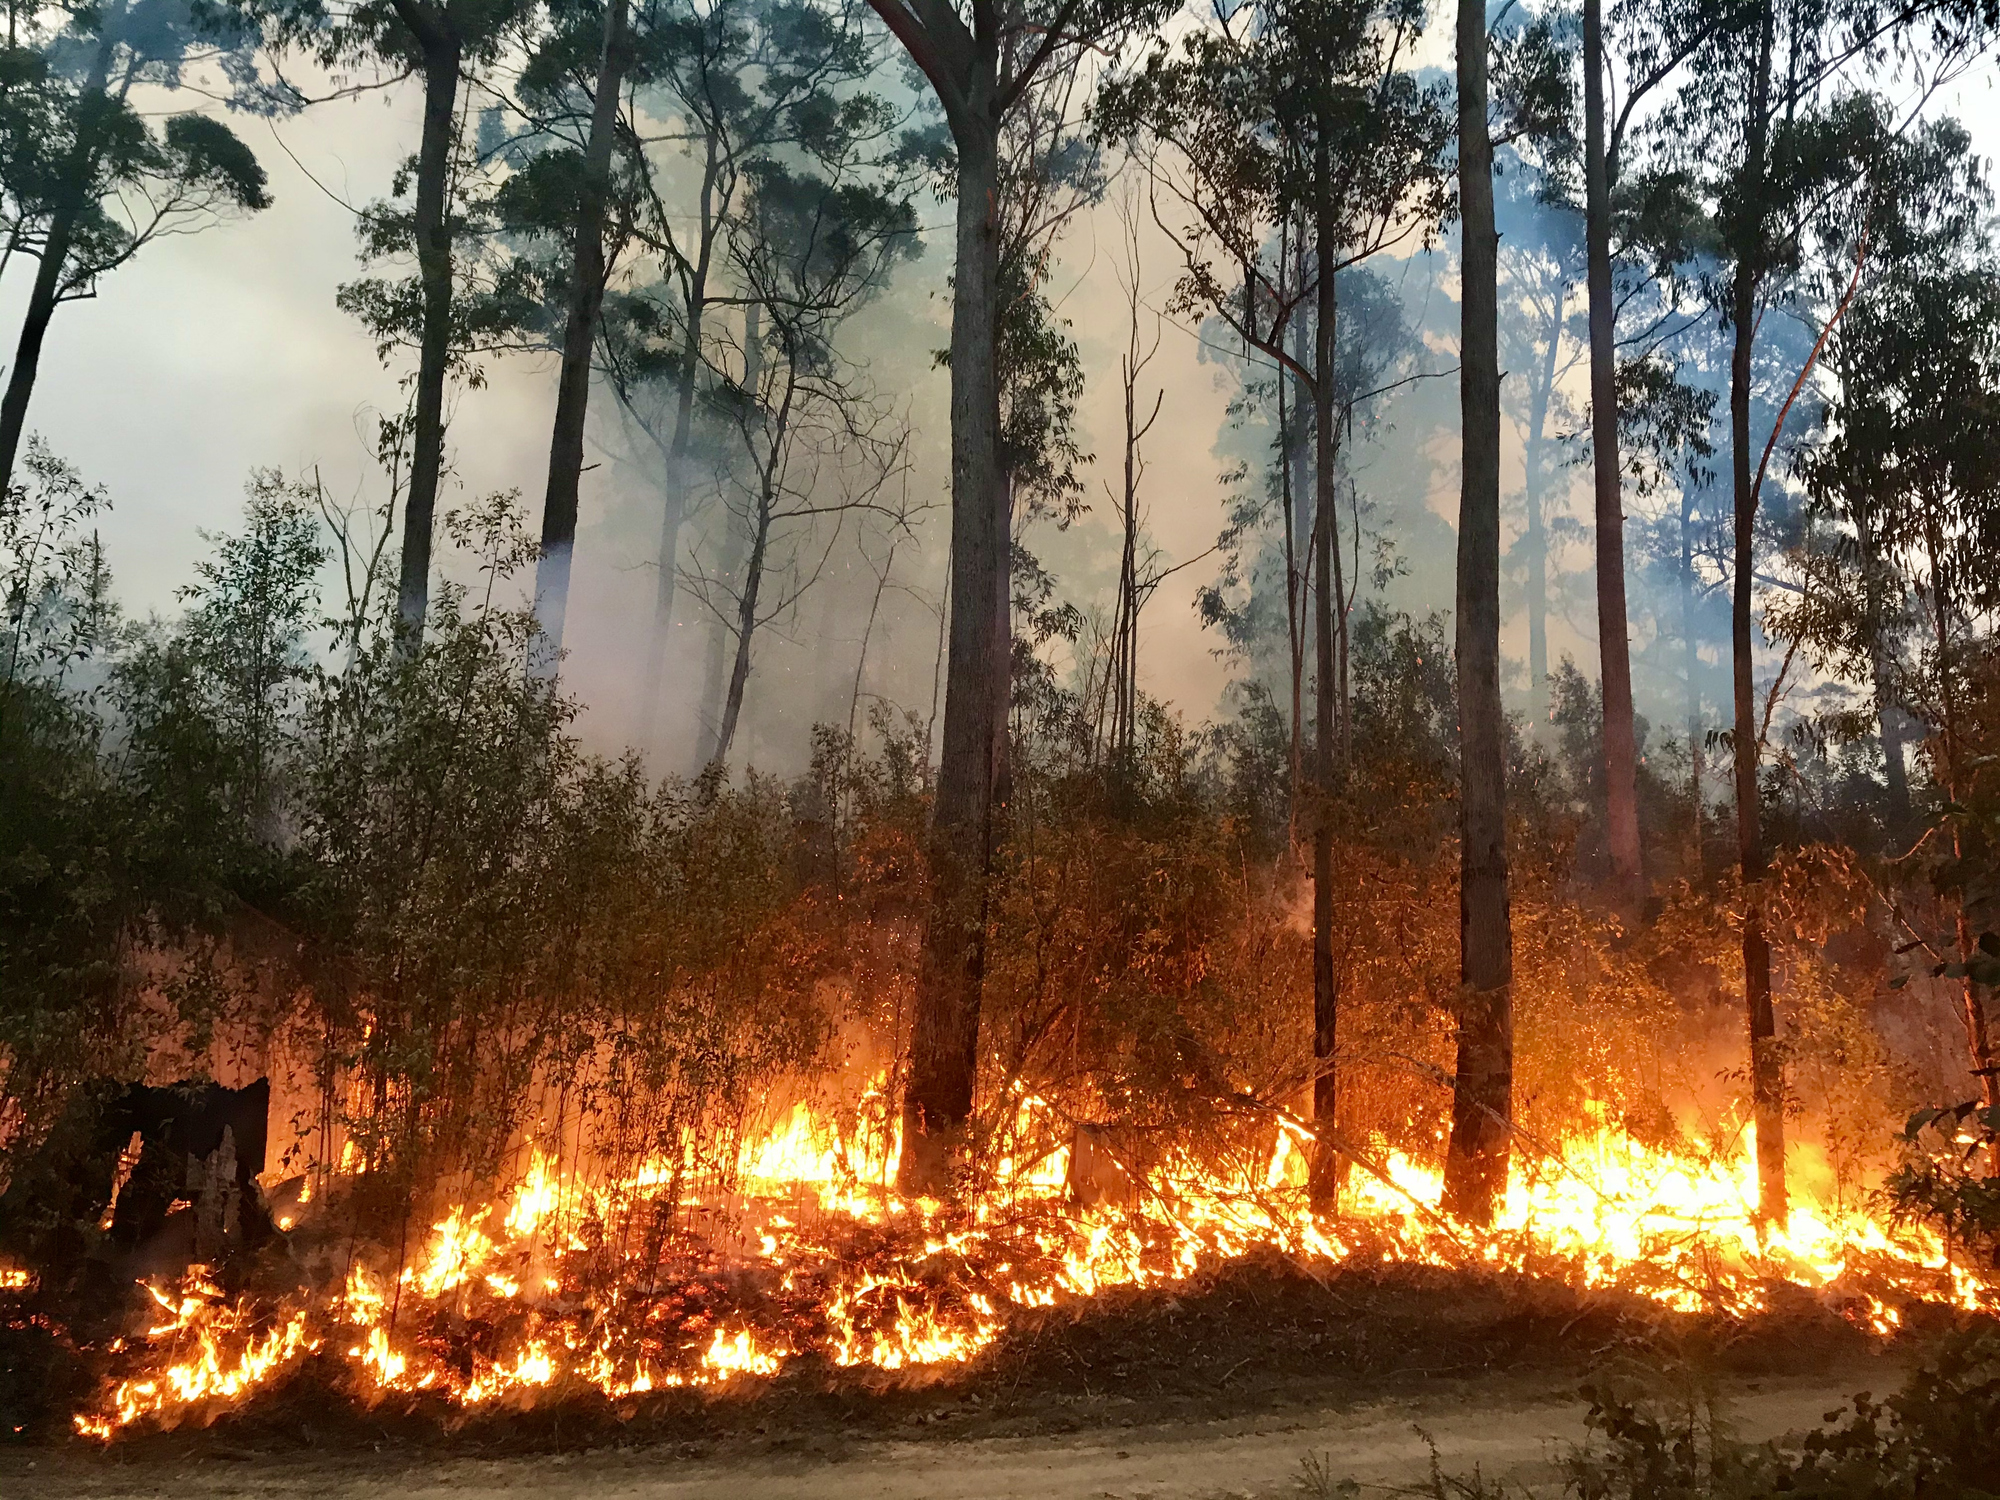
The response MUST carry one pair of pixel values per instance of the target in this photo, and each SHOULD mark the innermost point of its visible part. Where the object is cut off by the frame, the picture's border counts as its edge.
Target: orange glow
(571, 1286)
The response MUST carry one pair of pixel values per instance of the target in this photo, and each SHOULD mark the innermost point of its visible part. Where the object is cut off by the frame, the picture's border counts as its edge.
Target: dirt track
(1508, 1428)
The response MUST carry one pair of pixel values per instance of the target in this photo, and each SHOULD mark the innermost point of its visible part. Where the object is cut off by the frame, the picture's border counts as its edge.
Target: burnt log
(200, 1149)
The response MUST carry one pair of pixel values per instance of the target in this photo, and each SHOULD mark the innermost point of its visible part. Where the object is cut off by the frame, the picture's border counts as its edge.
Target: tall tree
(437, 41)
(591, 261)
(820, 446)
(1482, 1093)
(1297, 124)
(746, 82)
(1758, 81)
(980, 60)
(86, 182)
(1621, 750)
(1909, 476)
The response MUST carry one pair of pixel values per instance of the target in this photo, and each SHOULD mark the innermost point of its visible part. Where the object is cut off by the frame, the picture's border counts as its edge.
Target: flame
(560, 1281)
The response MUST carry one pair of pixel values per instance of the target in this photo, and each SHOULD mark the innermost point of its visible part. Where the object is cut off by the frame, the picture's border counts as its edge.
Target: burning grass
(568, 1288)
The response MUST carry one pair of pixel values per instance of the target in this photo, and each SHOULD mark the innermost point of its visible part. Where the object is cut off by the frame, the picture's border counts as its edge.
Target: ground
(1264, 1382)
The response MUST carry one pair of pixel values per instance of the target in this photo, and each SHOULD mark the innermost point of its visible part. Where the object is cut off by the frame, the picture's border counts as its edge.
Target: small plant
(1934, 1438)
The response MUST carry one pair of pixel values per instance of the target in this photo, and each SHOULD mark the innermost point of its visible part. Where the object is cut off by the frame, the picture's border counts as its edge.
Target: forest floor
(1264, 1382)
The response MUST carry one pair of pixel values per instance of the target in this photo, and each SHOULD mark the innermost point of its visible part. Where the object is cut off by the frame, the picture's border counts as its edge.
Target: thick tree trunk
(1323, 1186)
(28, 351)
(1767, 1084)
(586, 301)
(439, 43)
(944, 1042)
(1621, 795)
(1296, 493)
(1482, 1095)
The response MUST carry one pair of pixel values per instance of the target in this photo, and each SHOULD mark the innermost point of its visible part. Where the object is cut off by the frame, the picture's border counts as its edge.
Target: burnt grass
(1263, 1335)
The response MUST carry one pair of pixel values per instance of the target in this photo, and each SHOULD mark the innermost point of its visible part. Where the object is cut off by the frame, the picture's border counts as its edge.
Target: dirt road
(1506, 1429)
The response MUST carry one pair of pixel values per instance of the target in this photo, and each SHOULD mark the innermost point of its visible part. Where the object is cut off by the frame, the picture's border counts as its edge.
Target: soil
(1263, 1381)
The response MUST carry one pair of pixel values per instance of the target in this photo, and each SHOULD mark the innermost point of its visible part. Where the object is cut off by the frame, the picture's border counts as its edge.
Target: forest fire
(546, 1289)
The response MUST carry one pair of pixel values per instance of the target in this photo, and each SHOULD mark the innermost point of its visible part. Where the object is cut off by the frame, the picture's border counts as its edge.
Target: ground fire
(550, 1285)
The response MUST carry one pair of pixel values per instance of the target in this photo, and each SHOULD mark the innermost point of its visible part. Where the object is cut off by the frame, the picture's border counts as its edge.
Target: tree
(1909, 478)
(594, 254)
(1296, 120)
(820, 447)
(741, 82)
(1541, 255)
(980, 61)
(437, 40)
(1483, 1087)
(86, 182)
(1785, 155)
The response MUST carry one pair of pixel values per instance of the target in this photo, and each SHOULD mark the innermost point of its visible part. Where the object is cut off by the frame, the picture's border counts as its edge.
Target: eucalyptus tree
(729, 87)
(1909, 477)
(1541, 270)
(1295, 120)
(441, 42)
(1652, 43)
(87, 179)
(1756, 125)
(821, 448)
(585, 189)
(980, 60)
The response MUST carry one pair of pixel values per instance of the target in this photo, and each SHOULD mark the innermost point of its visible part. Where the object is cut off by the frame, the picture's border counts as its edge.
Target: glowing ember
(559, 1284)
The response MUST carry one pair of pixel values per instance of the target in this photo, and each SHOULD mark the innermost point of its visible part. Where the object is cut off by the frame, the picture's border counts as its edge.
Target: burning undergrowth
(629, 1298)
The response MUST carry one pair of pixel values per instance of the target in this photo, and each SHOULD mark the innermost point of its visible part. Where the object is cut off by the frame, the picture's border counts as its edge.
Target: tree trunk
(1767, 1084)
(1621, 795)
(944, 1042)
(1003, 637)
(746, 626)
(1538, 536)
(715, 678)
(1295, 495)
(46, 293)
(1323, 1186)
(439, 43)
(1691, 667)
(673, 509)
(588, 272)
(1483, 1089)
(28, 352)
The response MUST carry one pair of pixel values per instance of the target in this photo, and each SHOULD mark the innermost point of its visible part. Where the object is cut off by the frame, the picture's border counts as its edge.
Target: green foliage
(1932, 1438)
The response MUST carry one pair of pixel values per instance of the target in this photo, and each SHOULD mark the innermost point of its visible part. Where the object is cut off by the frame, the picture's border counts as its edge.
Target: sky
(223, 352)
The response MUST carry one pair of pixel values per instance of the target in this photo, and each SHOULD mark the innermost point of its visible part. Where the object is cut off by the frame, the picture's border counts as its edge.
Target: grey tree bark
(588, 272)
(1621, 795)
(1482, 1094)
(944, 1046)
(442, 53)
(674, 487)
(1323, 1184)
(1767, 1084)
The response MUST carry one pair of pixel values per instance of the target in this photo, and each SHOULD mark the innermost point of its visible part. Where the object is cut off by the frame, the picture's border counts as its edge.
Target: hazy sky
(217, 353)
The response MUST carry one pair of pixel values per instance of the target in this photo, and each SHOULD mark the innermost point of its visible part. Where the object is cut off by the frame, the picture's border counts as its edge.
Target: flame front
(551, 1287)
